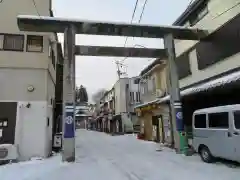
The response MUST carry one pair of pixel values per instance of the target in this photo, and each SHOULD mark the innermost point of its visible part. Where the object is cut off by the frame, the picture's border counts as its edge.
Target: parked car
(216, 132)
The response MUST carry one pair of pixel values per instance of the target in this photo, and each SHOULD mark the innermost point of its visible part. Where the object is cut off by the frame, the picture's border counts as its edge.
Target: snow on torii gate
(71, 27)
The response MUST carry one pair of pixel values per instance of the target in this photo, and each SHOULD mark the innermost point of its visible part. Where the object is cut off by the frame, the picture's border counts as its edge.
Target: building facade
(198, 61)
(116, 110)
(28, 79)
(208, 69)
(127, 96)
(154, 118)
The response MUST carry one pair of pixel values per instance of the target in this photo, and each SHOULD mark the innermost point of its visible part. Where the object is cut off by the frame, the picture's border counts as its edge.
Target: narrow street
(104, 157)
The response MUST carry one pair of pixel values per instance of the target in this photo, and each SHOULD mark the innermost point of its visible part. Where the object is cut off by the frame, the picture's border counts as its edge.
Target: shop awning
(228, 79)
(146, 103)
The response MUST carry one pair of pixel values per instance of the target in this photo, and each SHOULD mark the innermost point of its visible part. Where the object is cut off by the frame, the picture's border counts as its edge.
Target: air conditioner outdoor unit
(8, 152)
(159, 93)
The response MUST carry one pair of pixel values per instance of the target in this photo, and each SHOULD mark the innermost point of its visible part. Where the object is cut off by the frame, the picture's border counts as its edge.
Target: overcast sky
(95, 72)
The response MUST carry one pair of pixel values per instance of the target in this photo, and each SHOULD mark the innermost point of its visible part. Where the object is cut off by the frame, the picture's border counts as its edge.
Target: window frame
(5, 35)
(132, 98)
(218, 128)
(206, 121)
(27, 43)
(138, 97)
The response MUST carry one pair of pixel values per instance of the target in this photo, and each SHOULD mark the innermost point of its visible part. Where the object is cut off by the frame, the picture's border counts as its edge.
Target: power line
(35, 5)
(119, 73)
(133, 14)
(140, 19)
(144, 5)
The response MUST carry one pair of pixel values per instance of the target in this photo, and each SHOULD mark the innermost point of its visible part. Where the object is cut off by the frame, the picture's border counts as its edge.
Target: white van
(216, 132)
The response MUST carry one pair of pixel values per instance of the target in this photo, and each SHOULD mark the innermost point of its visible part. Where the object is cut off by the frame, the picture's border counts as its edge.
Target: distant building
(116, 110)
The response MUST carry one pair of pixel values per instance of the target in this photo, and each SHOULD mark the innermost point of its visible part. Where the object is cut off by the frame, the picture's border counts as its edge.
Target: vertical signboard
(69, 128)
(179, 116)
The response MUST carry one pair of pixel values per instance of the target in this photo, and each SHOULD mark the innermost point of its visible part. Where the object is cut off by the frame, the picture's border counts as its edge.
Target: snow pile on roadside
(103, 157)
(29, 169)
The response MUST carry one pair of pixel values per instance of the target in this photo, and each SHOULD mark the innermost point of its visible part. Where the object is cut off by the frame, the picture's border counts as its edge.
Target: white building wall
(31, 130)
(14, 84)
(18, 70)
(133, 88)
(220, 11)
(120, 96)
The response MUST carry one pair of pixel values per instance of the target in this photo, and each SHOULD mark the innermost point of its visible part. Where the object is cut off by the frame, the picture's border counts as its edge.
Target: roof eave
(184, 16)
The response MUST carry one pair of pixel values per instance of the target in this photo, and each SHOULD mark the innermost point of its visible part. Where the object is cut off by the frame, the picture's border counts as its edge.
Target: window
(218, 120)
(132, 97)
(136, 81)
(13, 42)
(48, 122)
(137, 96)
(144, 87)
(199, 14)
(34, 43)
(237, 119)
(200, 121)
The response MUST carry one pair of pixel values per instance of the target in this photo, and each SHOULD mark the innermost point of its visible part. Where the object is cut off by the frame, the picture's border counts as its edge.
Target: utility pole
(119, 72)
(175, 99)
(68, 153)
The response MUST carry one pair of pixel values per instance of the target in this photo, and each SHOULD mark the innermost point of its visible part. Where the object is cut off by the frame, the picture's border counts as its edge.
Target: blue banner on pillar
(179, 118)
(69, 128)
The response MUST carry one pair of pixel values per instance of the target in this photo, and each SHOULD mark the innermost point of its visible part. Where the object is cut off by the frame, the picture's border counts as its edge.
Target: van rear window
(200, 121)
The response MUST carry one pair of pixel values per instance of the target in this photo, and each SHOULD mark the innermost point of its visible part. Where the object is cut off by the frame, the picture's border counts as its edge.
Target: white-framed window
(13, 42)
(34, 43)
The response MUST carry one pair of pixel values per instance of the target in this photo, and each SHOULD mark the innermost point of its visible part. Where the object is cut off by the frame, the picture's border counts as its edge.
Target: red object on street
(140, 136)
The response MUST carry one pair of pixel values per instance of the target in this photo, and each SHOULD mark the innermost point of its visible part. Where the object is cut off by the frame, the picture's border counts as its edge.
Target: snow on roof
(233, 77)
(79, 20)
(146, 103)
(234, 107)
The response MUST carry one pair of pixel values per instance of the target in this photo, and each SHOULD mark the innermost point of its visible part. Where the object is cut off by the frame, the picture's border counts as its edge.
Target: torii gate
(71, 27)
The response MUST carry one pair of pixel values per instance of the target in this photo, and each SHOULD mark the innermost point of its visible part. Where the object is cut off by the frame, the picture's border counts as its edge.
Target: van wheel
(205, 154)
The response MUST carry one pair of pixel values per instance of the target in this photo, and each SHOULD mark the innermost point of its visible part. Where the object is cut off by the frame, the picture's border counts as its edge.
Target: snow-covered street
(104, 157)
